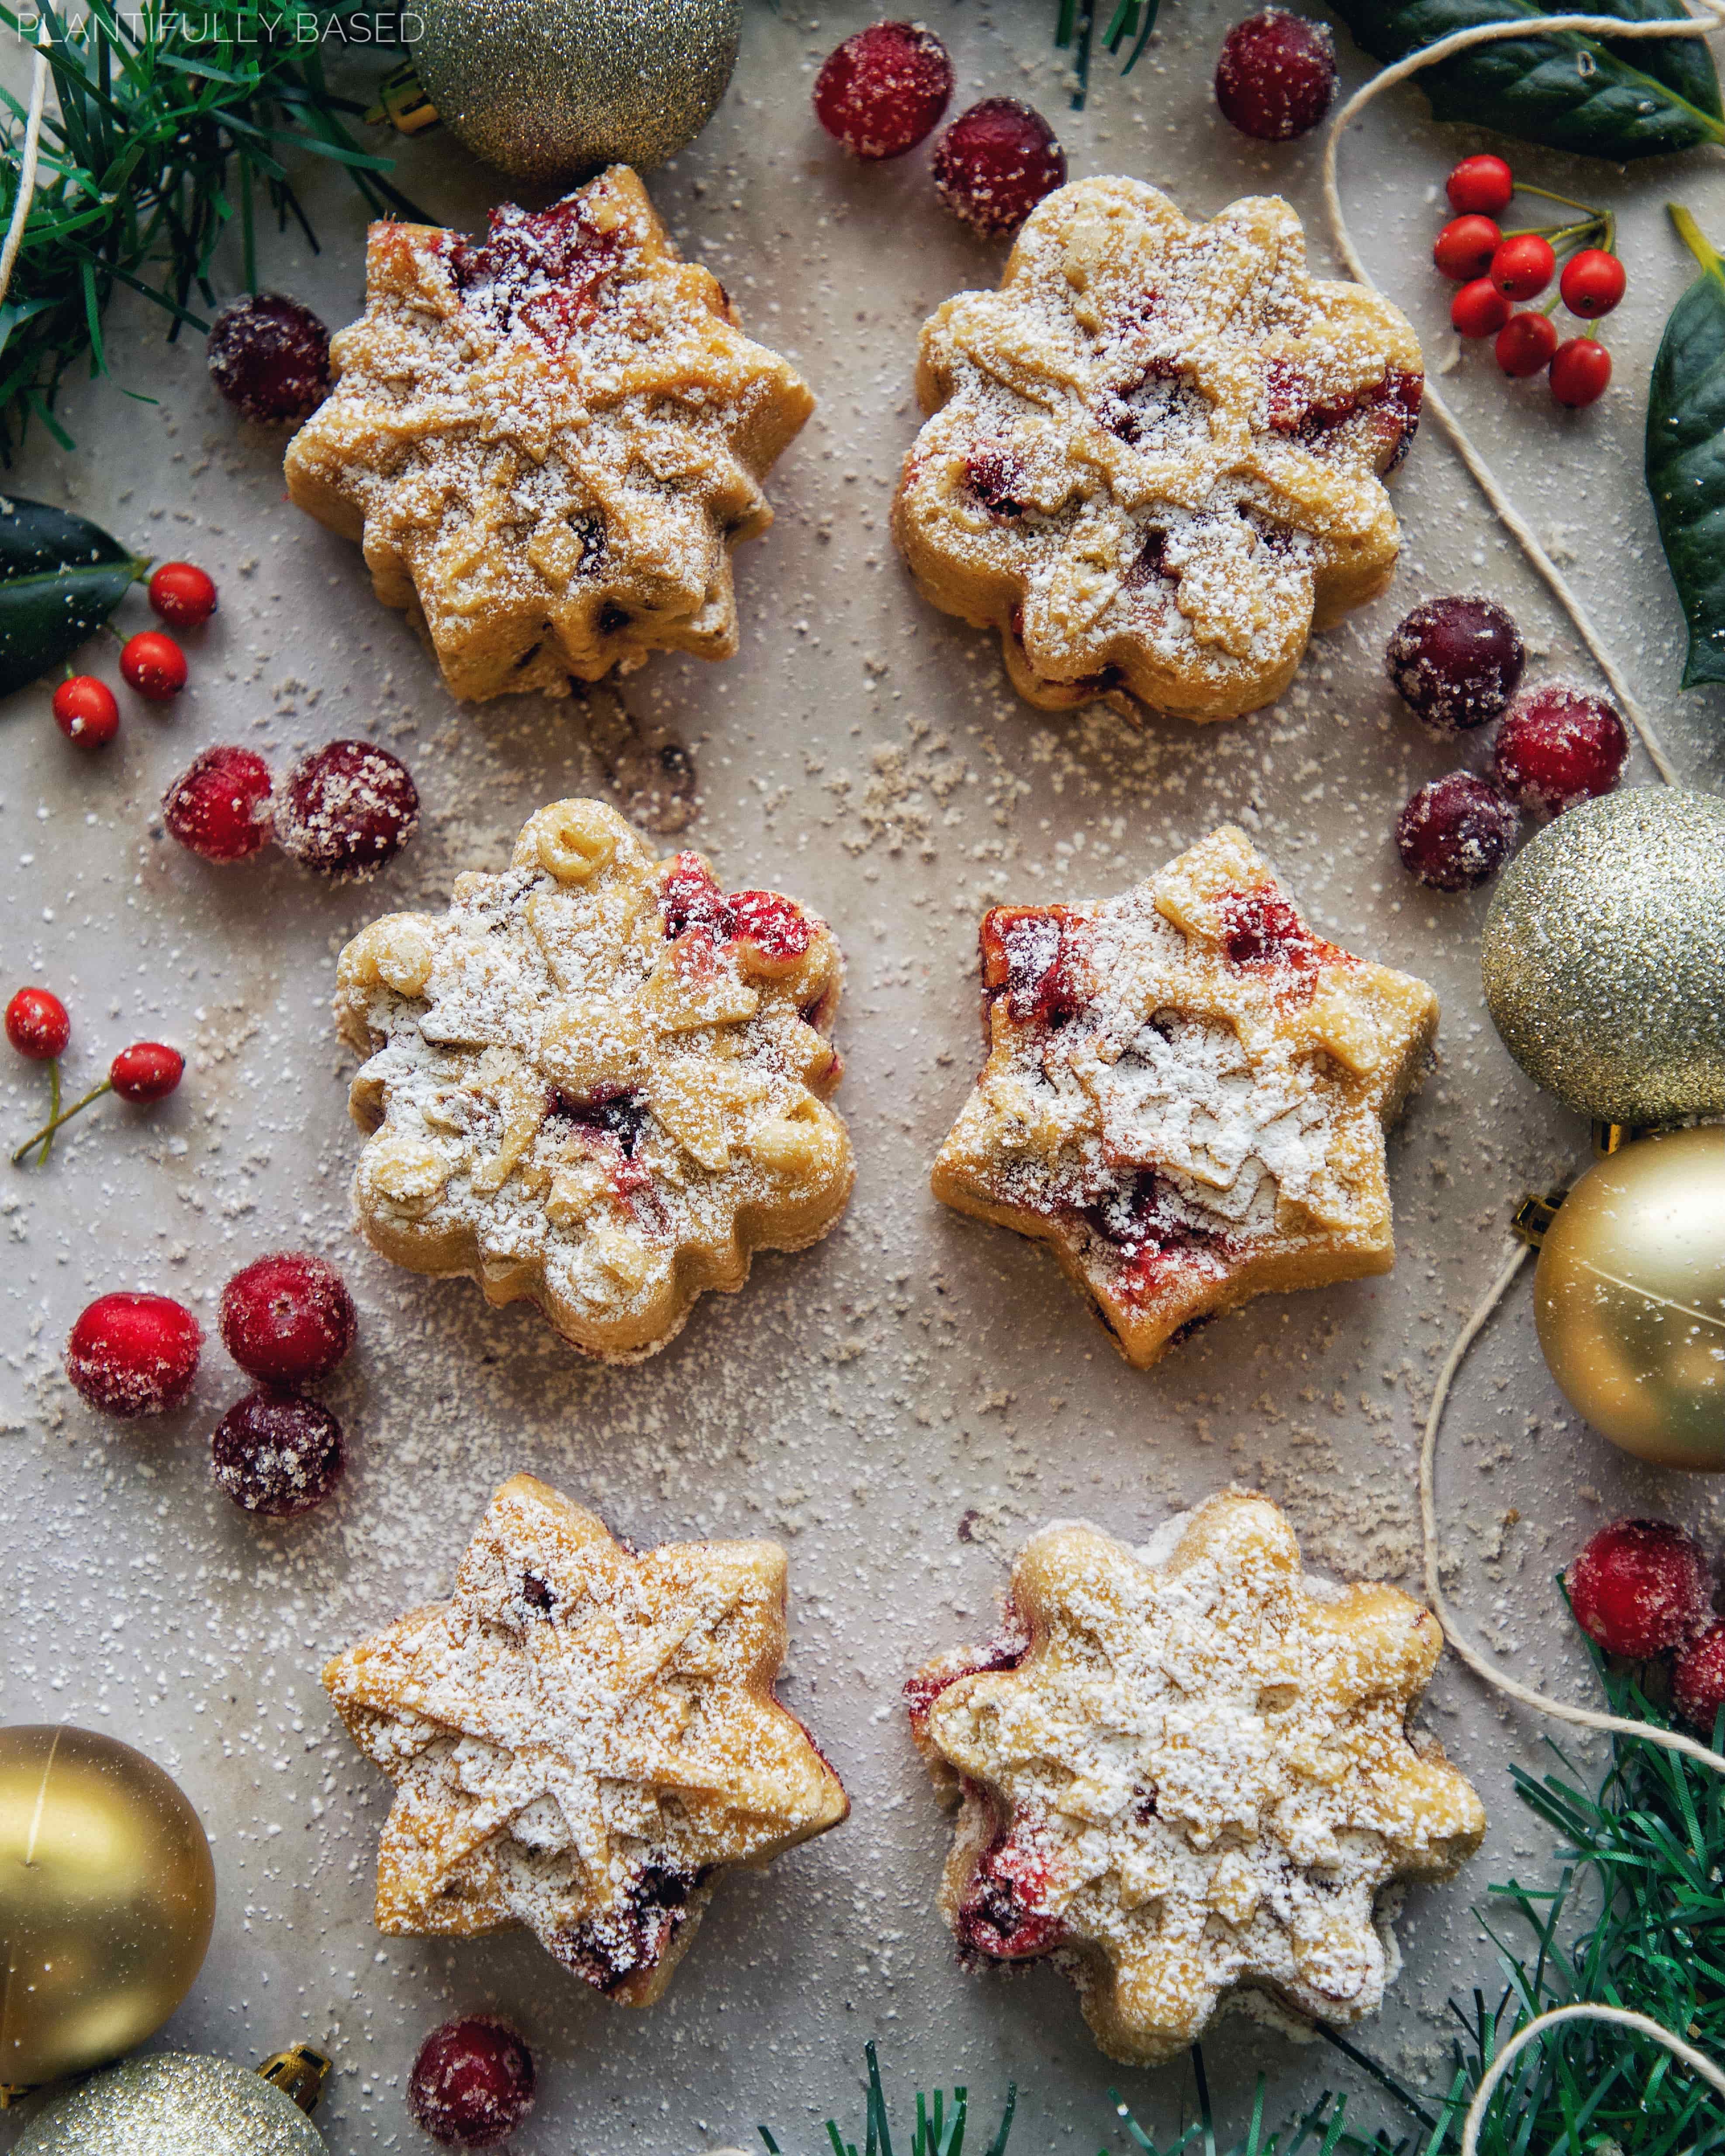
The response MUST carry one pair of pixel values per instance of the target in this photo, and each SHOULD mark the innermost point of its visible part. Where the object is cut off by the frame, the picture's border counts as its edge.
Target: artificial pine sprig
(939, 2130)
(1075, 26)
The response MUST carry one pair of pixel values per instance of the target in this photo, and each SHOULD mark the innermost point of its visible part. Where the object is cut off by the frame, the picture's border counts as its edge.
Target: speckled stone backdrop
(901, 1404)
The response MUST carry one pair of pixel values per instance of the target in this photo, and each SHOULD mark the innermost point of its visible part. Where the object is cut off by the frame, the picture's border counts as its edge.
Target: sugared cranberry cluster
(84, 707)
(1642, 1589)
(344, 810)
(1496, 270)
(39, 1027)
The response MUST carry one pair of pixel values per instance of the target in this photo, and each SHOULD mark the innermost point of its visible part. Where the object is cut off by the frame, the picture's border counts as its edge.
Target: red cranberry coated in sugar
(287, 1318)
(995, 164)
(472, 2083)
(1276, 77)
(218, 808)
(1639, 1588)
(277, 1454)
(346, 809)
(38, 1024)
(1456, 832)
(269, 357)
(1456, 661)
(86, 712)
(134, 1355)
(1699, 1678)
(882, 91)
(1557, 747)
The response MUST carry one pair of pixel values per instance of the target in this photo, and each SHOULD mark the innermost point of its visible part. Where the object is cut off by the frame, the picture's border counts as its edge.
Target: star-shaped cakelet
(549, 443)
(1186, 1094)
(581, 1737)
(1185, 1773)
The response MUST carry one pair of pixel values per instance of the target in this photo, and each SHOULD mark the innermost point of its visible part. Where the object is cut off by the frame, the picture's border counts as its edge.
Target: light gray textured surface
(917, 1371)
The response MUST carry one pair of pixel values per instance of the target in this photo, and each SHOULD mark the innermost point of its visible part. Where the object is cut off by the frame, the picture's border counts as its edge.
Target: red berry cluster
(1456, 662)
(343, 810)
(85, 708)
(1642, 1589)
(1496, 269)
(39, 1026)
(882, 91)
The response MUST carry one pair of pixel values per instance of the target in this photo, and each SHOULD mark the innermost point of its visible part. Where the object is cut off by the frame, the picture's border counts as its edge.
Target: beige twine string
(27, 165)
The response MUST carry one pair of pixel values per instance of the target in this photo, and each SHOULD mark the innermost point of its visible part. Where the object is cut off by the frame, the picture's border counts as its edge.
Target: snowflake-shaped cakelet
(1185, 1094)
(1153, 459)
(548, 443)
(1185, 1773)
(596, 1082)
(581, 1737)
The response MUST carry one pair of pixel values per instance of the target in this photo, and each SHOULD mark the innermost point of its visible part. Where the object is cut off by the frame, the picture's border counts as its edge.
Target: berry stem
(1690, 233)
(1568, 201)
(55, 1118)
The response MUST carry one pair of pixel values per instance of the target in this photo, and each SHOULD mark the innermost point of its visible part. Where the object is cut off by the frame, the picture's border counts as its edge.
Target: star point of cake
(581, 1737)
(1190, 1777)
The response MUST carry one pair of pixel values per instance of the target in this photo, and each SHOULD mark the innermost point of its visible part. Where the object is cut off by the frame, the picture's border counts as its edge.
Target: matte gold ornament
(1604, 956)
(173, 2104)
(107, 1894)
(1629, 1298)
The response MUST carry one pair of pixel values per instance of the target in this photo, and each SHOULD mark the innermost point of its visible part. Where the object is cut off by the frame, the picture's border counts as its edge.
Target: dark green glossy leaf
(1685, 456)
(1642, 97)
(60, 578)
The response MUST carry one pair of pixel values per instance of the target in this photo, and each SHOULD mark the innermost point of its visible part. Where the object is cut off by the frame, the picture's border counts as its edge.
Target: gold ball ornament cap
(107, 1897)
(1604, 956)
(173, 2104)
(1629, 1298)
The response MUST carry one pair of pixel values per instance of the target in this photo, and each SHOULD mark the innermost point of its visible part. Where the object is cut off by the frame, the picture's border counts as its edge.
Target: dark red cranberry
(287, 1318)
(1276, 77)
(1456, 661)
(147, 1071)
(621, 1115)
(346, 809)
(1456, 832)
(547, 268)
(38, 1024)
(880, 91)
(472, 2084)
(1260, 928)
(999, 1916)
(1638, 1588)
(219, 808)
(1034, 955)
(1138, 1216)
(627, 1940)
(1699, 1678)
(1557, 747)
(277, 1454)
(134, 1354)
(996, 479)
(995, 163)
(269, 357)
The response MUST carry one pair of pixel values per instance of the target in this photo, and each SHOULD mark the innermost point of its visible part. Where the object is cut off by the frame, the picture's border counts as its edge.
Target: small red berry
(134, 1354)
(1557, 747)
(1638, 1588)
(182, 595)
(218, 808)
(1276, 77)
(154, 666)
(1580, 373)
(1699, 1678)
(1478, 310)
(270, 356)
(86, 712)
(472, 2083)
(1465, 247)
(1523, 265)
(1593, 282)
(1456, 661)
(1525, 345)
(882, 91)
(288, 1318)
(277, 1454)
(346, 809)
(1482, 185)
(148, 1070)
(995, 164)
(1456, 832)
(37, 1024)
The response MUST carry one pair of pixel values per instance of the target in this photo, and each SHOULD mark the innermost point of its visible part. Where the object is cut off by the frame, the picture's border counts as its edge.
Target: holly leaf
(1686, 454)
(60, 578)
(1643, 97)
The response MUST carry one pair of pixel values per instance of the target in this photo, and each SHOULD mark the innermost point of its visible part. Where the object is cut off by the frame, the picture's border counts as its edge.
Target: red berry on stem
(1699, 1678)
(1276, 77)
(277, 1454)
(288, 1318)
(86, 712)
(346, 809)
(134, 1354)
(154, 666)
(1638, 1588)
(472, 2083)
(148, 1070)
(182, 595)
(1456, 661)
(1525, 345)
(1456, 832)
(1558, 746)
(37, 1024)
(270, 356)
(1478, 310)
(1523, 265)
(995, 163)
(218, 808)
(1465, 246)
(1580, 373)
(880, 91)
(1482, 185)
(1593, 282)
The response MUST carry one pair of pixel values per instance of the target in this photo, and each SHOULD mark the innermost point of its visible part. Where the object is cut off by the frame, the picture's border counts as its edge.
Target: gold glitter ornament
(1629, 1298)
(173, 2104)
(1604, 956)
(550, 90)
(107, 1895)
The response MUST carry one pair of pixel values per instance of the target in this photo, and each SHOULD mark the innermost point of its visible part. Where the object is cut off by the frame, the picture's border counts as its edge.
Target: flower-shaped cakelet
(1185, 1773)
(596, 1082)
(581, 1737)
(1185, 1095)
(1153, 460)
(548, 443)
